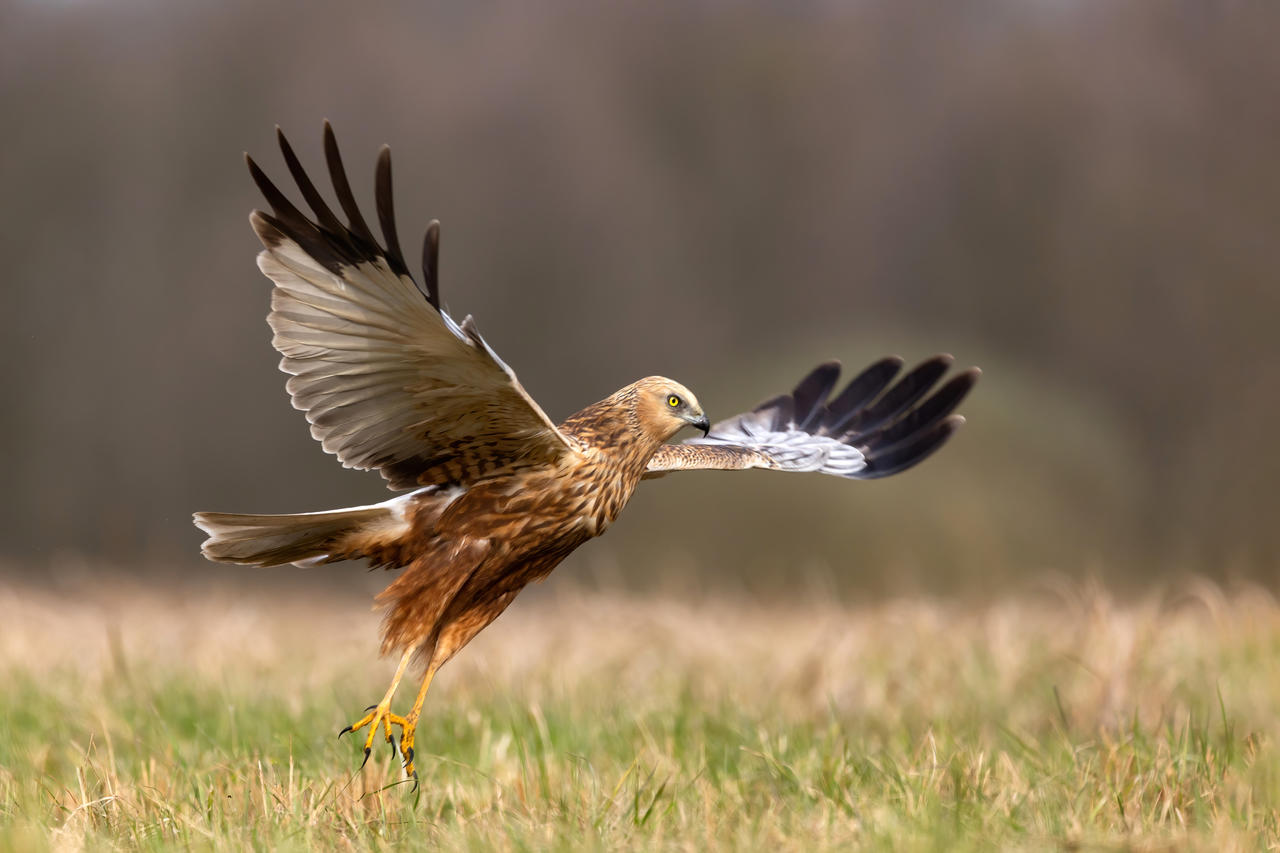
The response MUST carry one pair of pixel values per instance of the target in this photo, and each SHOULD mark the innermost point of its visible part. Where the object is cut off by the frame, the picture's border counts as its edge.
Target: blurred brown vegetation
(1079, 196)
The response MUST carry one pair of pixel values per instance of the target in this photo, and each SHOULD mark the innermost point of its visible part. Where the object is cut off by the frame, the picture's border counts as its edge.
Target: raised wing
(873, 428)
(385, 376)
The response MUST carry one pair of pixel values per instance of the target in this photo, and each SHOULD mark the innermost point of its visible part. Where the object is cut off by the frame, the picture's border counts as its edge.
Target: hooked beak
(701, 423)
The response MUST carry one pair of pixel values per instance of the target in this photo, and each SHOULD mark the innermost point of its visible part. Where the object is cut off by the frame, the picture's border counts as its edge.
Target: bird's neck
(610, 432)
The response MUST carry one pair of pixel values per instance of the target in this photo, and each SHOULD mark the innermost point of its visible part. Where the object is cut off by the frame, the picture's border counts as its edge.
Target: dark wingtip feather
(909, 454)
(323, 213)
(898, 398)
(383, 201)
(259, 177)
(860, 391)
(919, 420)
(431, 262)
(811, 392)
(946, 398)
(968, 377)
(342, 187)
(942, 359)
(287, 222)
(280, 206)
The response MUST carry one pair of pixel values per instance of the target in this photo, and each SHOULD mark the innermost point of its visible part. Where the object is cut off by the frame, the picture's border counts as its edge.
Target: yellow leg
(381, 713)
(410, 724)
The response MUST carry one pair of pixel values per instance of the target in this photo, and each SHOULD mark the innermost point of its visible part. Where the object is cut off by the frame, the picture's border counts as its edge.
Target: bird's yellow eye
(673, 401)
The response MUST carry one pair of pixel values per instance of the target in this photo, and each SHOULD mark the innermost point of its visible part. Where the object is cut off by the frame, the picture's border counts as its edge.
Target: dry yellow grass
(153, 717)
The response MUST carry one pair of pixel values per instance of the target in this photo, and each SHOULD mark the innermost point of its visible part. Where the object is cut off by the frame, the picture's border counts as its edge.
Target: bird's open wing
(873, 428)
(386, 378)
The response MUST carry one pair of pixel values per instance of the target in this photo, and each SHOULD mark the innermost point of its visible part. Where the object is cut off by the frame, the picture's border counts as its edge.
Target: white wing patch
(785, 450)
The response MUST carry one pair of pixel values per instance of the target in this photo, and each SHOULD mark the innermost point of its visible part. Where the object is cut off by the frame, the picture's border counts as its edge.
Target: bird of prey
(500, 493)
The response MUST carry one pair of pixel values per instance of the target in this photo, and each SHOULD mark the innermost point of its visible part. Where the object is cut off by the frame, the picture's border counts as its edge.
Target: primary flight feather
(501, 494)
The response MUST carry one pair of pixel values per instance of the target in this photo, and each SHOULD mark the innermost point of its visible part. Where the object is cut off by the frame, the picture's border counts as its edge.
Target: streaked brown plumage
(513, 529)
(501, 495)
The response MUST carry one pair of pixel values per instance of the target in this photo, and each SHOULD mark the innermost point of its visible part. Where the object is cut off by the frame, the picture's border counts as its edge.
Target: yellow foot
(408, 729)
(378, 714)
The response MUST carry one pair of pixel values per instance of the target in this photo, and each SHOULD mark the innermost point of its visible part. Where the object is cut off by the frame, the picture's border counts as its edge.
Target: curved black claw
(408, 763)
(367, 750)
(351, 728)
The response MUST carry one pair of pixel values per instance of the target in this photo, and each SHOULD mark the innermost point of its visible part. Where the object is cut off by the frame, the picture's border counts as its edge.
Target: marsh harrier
(500, 493)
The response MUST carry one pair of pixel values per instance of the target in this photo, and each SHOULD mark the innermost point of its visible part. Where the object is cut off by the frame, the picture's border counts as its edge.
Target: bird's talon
(377, 718)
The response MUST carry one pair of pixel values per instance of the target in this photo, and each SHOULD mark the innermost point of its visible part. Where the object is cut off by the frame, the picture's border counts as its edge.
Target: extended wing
(873, 428)
(385, 376)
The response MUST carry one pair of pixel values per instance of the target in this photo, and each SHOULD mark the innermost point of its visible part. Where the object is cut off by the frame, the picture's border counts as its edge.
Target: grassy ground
(153, 719)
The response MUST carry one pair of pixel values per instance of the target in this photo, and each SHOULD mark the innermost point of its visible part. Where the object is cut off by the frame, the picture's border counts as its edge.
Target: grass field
(151, 718)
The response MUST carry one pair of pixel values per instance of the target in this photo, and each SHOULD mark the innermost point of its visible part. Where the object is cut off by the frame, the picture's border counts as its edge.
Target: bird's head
(664, 407)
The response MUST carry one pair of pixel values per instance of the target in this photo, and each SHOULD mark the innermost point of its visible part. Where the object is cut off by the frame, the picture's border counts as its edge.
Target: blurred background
(1081, 197)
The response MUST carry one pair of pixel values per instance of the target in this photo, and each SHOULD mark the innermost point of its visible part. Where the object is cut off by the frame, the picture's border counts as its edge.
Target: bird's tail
(306, 539)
